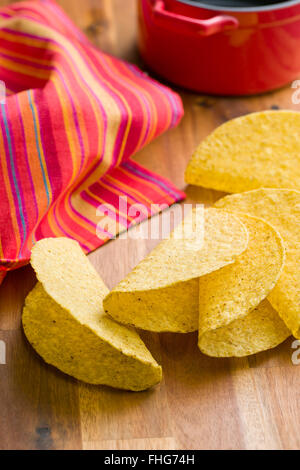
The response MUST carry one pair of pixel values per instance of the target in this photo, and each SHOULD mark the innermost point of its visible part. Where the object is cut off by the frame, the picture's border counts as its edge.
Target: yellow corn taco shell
(260, 330)
(161, 293)
(253, 151)
(232, 319)
(281, 208)
(64, 321)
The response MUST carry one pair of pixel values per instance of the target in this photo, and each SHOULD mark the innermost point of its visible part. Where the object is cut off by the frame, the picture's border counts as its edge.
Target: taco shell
(64, 321)
(253, 151)
(233, 319)
(281, 208)
(161, 293)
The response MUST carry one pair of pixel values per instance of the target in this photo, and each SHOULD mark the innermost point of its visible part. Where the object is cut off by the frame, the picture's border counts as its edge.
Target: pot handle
(205, 27)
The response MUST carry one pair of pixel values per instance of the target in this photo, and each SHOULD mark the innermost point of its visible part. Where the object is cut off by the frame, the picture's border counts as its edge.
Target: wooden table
(202, 403)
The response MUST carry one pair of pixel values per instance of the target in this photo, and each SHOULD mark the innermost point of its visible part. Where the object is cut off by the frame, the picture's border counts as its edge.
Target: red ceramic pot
(218, 50)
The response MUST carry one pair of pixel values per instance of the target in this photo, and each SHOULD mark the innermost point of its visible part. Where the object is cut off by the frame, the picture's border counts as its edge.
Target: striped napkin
(71, 120)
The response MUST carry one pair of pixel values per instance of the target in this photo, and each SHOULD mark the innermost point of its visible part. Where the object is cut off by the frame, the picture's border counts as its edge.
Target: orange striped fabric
(71, 121)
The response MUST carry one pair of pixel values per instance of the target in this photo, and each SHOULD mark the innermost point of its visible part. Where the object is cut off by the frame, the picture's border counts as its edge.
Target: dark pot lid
(241, 5)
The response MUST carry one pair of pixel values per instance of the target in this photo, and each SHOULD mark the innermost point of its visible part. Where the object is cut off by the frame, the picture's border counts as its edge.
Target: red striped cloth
(73, 118)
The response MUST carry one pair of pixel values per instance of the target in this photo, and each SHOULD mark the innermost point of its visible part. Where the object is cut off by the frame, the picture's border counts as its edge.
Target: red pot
(217, 50)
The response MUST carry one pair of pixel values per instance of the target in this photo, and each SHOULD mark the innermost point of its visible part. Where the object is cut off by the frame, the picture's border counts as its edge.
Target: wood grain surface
(202, 403)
